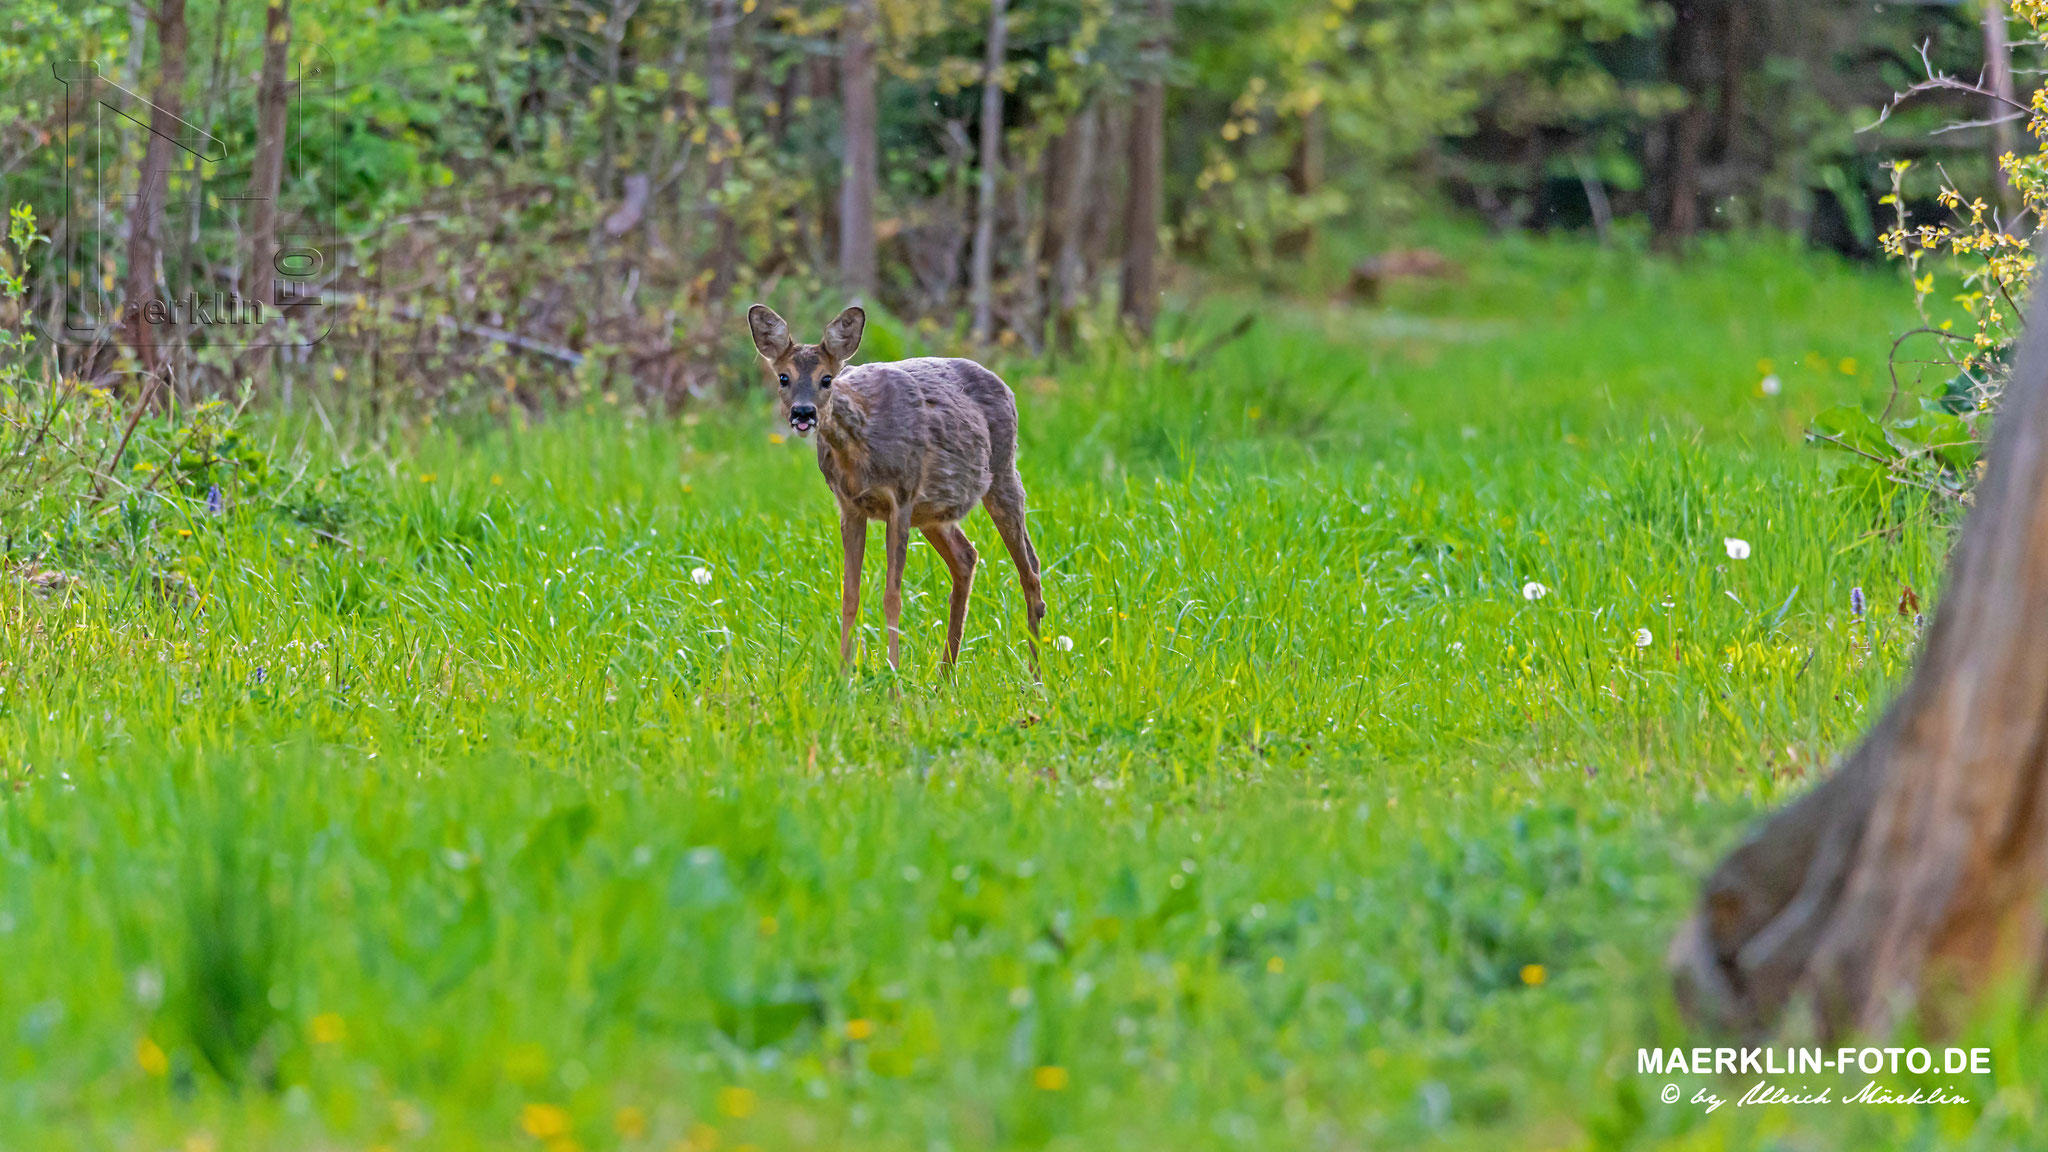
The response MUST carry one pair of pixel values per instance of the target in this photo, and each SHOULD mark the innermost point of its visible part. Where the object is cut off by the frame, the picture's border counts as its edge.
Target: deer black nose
(803, 412)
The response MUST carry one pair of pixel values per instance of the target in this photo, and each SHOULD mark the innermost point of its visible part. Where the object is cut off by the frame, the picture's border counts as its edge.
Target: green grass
(485, 826)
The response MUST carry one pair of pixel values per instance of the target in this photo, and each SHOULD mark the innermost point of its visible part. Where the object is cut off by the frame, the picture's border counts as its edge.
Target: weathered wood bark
(1139, 303)
(722, 140)
(1999, 109)
(145, 225)
(1921, 863)
(858, 172)
(981, 281)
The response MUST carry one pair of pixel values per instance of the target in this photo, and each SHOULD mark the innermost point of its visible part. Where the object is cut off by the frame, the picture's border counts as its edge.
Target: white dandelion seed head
(1063, 643)
(1737, 549)
(1534, 591)
(1771, 385)
(1643, 638)
(700, 575)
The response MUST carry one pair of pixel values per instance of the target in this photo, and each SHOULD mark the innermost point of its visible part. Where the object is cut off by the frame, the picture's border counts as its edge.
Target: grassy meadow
(498, 790)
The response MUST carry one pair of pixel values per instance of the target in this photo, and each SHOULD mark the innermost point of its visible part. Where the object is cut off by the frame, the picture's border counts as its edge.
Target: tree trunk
(1998, 78)
(721, 141)
(1304, 178)
(1686, 133)
(858, 173)
(1734, 46)
(1100, 232)
(1027, 313)
(1070, 173)
(982, 279)
(266, 177)
(145, 225)
(1920, 865)
(138, 42)
(1140, 300)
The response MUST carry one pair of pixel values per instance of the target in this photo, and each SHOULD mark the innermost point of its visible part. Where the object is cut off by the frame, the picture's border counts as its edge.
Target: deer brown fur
(914, 444)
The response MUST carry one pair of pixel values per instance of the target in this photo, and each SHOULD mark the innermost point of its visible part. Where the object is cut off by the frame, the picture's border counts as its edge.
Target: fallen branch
(497, 335)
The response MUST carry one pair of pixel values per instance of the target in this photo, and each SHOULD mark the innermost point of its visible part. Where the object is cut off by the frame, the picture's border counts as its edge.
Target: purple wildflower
(214, 504)
(1856, 601)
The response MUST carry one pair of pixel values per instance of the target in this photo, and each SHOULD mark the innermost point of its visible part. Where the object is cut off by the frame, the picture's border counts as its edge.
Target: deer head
(804, 372)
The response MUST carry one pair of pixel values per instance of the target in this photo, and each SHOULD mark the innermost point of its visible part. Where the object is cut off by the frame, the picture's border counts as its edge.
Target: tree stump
(1918, 867)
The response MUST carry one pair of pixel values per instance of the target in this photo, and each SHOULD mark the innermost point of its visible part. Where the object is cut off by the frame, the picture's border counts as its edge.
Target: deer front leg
(898, 541)
(853, 540)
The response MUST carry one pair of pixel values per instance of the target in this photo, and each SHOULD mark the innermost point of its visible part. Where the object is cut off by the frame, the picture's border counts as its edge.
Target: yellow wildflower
(737, 1103)
(329, 1028)
(544, 1121)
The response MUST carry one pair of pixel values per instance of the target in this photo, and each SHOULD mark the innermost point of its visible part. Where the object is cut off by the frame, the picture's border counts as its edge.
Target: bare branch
(1962, 124)
(1943, 82)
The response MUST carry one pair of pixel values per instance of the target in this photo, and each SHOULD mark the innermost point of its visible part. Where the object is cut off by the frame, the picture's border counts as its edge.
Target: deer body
(915, 434)
(913, 444)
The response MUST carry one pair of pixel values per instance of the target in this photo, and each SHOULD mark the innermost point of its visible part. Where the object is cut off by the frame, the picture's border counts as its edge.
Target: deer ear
(771, 335)
(842, 335)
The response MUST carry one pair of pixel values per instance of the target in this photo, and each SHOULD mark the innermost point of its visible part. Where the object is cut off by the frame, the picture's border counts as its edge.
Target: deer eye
(824, 381)
(785, 379)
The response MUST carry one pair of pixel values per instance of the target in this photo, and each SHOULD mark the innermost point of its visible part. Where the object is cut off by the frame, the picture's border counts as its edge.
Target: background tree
(991, 171)
(859, 175)
(490, 177)
(1139, 303)
(146, 219)
(266, 176)
(2001, 107)
(725, 140)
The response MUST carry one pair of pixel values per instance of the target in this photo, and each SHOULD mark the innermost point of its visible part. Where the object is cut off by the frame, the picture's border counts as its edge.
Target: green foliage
(1385, 82)
(476, 817)
(1934, 440)
(87, 478)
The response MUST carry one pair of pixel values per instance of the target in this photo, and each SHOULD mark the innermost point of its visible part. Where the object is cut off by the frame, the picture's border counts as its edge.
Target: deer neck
(842, 426)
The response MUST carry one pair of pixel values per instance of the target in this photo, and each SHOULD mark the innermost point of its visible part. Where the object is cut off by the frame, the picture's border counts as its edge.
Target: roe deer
(913, 444)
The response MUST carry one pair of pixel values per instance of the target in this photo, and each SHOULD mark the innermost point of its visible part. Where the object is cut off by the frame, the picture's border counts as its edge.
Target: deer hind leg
(1005, 504)
(898, 542)
(853, 540)
(958, 552)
